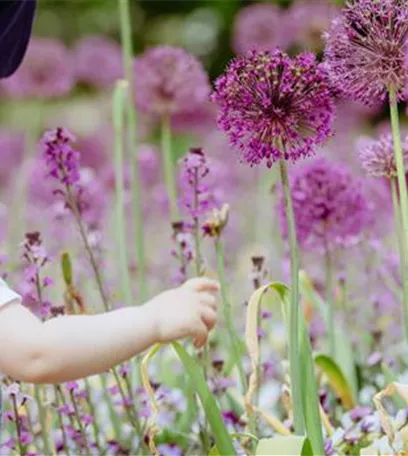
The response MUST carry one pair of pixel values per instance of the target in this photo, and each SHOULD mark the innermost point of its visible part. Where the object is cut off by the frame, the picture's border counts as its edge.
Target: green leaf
(223, 440)
(66, 268)
(214, 452)
(282, 446)
(336, 379)
(310, 396)
(309, 393)
(343, 348)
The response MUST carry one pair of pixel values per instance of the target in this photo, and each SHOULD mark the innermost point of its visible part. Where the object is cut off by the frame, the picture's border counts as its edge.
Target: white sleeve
(7, 294)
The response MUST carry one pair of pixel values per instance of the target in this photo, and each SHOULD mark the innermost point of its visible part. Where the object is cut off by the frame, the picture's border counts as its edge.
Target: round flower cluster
(259, 27)
(98, 61)
(329, 205)
(275, 107)
(366, 49)
(47, 71)
(169, 80)
(377, 156)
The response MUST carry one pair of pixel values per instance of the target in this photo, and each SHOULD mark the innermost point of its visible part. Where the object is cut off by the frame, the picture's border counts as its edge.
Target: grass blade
(223, 440)
(336, 379)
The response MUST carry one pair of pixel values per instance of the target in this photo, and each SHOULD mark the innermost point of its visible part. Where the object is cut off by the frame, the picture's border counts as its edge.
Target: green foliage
(293, 446)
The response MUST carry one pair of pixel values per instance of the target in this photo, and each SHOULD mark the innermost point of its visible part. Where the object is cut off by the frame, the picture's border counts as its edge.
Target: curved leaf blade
(336, 379)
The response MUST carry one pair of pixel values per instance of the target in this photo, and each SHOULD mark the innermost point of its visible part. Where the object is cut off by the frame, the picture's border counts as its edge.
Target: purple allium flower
(98, 61)
(169, 80)
(307, 21)
(329, 205)
(260, 27)
(366, 48)
(47, 71)
(377, 156)
(275, 107)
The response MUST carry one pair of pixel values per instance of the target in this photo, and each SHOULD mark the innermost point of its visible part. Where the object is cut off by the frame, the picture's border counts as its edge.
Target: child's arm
(71, 347)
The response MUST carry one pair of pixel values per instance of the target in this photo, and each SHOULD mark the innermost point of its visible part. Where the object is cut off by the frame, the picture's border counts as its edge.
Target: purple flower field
(263, 144)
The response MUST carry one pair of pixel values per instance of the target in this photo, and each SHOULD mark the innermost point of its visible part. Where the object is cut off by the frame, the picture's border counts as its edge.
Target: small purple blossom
(98, 61)
(366, 49)
(197, 196)
(169, 80)
(329, 205)
(377, 156)
(275, 107)
(260, 27)
(61, 159)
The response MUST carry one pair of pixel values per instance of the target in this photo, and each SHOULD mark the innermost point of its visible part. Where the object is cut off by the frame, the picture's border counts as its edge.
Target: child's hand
(186, 311)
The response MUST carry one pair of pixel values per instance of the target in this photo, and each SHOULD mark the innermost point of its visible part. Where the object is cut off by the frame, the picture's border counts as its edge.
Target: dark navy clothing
(16, 21)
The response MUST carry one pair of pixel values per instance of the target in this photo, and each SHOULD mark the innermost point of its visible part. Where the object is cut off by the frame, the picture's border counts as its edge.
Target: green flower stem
(226, 309)
(294, 356)
(48, 447)
(118, 104)
(21, 446)
(126, 37)
(403, 194)
(330, 302)
(80, 424)
(93, 412)
(60, 402)
(169, 178)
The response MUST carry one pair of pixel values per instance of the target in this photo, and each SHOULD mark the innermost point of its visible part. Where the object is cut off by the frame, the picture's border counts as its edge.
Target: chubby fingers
(201, 335)
(202, 284)
(209, 300)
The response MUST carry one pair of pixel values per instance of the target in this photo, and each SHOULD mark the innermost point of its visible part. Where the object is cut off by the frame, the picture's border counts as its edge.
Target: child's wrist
(150, 316)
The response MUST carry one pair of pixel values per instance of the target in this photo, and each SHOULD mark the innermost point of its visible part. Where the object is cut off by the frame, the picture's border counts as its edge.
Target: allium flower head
(259, 27)
(275, 107)
(377, 156)
(329, 205)
(366, 49)
(98, 61)
(169, 80)
(47, 71)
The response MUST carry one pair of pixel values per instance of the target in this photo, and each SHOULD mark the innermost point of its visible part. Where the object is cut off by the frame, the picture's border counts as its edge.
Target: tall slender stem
(294, 356)
(118, 103)
(168, 168)
(402, 187)
(126, 37)
(330, 302)
(21, 446)
(79, 422)
(226, 308)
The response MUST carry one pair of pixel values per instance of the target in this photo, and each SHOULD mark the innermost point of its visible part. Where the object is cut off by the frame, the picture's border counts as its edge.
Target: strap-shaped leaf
(223, 440)
(336, 379)
(310, 403)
